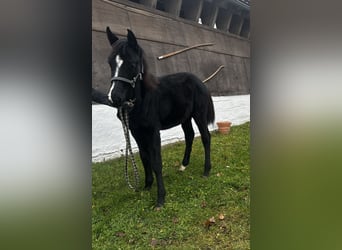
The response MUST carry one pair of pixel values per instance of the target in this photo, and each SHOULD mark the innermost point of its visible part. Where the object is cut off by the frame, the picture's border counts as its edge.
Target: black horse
(155, 104)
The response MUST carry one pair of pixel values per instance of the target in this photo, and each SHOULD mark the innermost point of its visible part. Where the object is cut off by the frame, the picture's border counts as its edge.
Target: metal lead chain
(125, 125)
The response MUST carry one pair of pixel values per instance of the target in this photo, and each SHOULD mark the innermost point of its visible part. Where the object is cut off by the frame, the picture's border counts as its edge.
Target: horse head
(127, 69)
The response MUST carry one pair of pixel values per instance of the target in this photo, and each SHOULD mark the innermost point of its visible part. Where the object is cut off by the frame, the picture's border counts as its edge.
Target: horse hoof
(205, 175)
(147, 188)
(158, 207)
(182, 168)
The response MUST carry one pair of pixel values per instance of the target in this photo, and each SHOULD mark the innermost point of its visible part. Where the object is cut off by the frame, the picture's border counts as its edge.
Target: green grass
(124, 219)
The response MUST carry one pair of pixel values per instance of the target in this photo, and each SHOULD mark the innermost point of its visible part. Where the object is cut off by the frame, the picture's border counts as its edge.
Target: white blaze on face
(119, 62)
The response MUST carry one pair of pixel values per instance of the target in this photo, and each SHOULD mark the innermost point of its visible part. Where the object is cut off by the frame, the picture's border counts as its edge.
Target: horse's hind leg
(189, 138)
(205, 136)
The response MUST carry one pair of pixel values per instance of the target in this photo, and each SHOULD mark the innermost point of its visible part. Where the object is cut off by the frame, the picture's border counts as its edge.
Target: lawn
(199, 213)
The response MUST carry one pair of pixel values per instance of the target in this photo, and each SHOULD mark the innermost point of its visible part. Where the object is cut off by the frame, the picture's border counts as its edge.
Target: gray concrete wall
(159, 33)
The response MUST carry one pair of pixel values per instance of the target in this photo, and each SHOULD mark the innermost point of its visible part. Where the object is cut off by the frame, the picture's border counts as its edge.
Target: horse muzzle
(114, 102)
(117, 102)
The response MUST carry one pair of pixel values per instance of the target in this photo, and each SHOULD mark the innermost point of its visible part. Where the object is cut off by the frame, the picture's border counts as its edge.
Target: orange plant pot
(224, 127)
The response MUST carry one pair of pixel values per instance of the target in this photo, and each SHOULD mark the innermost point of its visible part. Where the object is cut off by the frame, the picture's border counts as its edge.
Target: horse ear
(132, 41)
(111, 37)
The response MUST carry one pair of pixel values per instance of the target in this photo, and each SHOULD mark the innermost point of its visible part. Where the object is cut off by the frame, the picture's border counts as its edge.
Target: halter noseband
(131, 82)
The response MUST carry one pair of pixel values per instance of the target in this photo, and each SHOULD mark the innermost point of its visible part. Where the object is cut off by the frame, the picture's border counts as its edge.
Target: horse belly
(172, 115)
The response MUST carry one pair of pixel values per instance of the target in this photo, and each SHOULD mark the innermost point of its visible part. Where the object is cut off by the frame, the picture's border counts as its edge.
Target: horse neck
(145, 108)
(145, 92)
(150, 82)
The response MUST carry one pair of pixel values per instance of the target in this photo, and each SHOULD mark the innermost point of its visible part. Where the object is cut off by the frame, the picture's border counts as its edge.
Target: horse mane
(150, 100)
(150, 81)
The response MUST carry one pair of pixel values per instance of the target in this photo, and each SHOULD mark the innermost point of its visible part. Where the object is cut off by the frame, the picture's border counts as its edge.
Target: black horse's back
(183, 95)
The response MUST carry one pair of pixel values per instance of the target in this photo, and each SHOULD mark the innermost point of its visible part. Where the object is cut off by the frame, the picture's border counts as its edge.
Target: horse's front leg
(143, 144)
(145, 158)
(155, 152)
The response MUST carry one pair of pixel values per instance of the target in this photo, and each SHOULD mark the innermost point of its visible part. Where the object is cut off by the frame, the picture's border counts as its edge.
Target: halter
(132, 82)
(123, 113)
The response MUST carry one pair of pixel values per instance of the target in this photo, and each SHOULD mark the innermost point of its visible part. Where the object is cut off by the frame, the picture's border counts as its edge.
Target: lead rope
(125, 125)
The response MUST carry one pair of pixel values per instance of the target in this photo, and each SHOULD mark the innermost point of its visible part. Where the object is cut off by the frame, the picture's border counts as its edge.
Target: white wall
(107, 135)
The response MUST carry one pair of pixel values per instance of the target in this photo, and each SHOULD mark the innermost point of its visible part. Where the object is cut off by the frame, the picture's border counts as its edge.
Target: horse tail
(211, 111)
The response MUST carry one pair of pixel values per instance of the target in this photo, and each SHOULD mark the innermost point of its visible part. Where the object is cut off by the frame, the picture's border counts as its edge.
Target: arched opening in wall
(235, 24)
(160, 5)
(191, 9)
(209, 14)
(182, 10)
(223, 19)
(245, 28)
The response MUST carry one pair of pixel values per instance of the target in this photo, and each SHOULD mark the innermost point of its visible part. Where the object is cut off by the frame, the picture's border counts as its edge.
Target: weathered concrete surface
(159, 33)
(107, 135)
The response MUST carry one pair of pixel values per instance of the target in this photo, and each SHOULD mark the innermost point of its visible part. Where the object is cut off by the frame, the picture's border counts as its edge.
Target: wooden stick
(182, 50)
(213, 74)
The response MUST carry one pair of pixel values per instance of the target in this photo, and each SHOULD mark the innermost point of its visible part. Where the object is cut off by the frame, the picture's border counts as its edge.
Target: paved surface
(107, 135)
